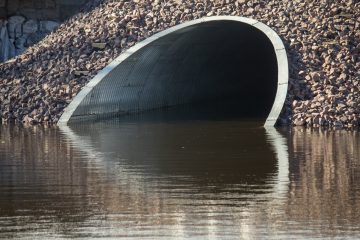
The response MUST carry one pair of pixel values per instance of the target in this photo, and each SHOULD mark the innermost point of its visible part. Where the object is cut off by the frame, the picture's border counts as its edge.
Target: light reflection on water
(178, 179)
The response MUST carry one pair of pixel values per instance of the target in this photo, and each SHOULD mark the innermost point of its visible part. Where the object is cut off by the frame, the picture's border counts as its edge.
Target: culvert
(207, 59)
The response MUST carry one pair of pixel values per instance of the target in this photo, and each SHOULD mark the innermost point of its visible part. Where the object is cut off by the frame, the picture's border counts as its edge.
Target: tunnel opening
(227, 66)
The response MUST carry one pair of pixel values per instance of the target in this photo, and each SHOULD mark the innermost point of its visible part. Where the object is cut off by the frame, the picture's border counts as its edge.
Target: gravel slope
(322, 39)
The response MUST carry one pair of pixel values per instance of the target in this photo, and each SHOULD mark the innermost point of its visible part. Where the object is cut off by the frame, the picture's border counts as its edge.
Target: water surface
(165, 177)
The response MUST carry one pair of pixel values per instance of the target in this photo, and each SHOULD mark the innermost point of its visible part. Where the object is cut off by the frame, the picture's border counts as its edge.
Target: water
(166, 177)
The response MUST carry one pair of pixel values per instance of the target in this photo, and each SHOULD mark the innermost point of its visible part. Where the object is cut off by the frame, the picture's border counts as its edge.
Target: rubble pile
(322, 39)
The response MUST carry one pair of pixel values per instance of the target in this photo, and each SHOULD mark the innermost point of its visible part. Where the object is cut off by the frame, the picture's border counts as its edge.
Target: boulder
(19, 51)
(20, 42)
(48, 26)
(15, 26)
(34, 38)
(30, 26)
(7, 49)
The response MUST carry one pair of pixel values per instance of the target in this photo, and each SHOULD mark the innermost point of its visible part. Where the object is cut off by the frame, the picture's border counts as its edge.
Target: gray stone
(7, 49)
(322, 122)
(34, 38)
(30, 26)
(338, 124)
(98, 45)
(343, 119)
(19, 51)
(48, 26)
(20, 42)
(15, 26)
(81, 73)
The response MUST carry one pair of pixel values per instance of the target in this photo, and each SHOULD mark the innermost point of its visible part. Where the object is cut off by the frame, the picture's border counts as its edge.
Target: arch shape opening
(206, 60)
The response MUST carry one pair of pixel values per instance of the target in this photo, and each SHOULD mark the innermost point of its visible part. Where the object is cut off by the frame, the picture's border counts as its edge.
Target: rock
(15, 26)
(296, 104)
(355, 122)
(342, 76)
(315, 76)
(81, 73)
(30, 26)
(98, 45)
(341, 106)
(7, 48)
(299, 122)
(20, 43)
(45, 86)
(322, 122)
(210, 14)
(338, 124)
(29, 120)
(250, 11)
(343, 119)
(67, 89)
(316, 120)
(34, 38)
(48, 26)
(309, 121)
(20, 50)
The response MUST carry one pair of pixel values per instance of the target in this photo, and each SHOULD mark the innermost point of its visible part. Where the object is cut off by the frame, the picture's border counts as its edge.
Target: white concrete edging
(282, 63)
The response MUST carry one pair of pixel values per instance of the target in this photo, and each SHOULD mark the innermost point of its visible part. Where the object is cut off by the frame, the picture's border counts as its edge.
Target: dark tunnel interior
(227, 66)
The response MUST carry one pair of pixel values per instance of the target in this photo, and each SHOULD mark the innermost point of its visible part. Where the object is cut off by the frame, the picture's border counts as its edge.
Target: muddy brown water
(161, 176)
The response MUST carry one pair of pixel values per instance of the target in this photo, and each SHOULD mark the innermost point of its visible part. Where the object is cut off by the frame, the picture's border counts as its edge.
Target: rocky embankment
(322, 38)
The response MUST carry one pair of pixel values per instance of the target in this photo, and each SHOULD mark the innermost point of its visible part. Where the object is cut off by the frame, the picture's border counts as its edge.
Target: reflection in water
(159, 178)
(325, 180)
